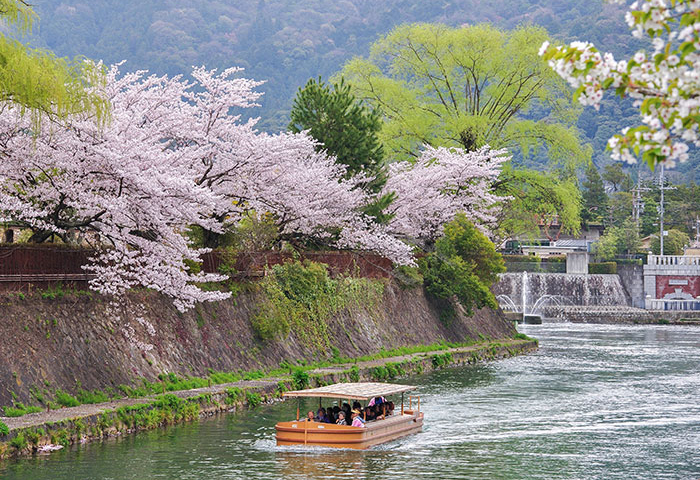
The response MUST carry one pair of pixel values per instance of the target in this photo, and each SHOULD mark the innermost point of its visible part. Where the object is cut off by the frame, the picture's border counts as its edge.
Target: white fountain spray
(524, 293)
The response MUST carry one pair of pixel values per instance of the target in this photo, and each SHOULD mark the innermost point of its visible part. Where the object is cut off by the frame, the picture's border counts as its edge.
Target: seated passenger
(390, 408)
(310, 416)
(356, 419)
(321, 416)
(381, 412)
(370, 414)
(341, 418)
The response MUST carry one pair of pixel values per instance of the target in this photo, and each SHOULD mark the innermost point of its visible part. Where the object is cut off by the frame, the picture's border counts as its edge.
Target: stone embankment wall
(632, 278)
(621, 315)
(84, 341)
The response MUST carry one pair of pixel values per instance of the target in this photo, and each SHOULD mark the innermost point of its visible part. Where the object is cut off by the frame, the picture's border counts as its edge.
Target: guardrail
(663, 304)
(47, 277)
(673, 260)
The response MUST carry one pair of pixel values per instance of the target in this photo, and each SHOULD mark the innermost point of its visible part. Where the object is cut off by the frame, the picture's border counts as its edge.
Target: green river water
(599, 402)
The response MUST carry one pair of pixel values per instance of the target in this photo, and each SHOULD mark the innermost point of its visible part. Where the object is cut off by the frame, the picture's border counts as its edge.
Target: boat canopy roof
(353, 391)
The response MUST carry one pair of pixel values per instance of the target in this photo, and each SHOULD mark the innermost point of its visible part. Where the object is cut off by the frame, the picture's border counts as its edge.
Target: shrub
(441, 360)
(96, 396)
(464, 265)
(522, 258)
(602, 268)
(65, 399)
(300, 379)
(555, 259)
(301, 297)
(19, 442)
(4, 429)
(233, 395)
(252, 398)
(408, 277)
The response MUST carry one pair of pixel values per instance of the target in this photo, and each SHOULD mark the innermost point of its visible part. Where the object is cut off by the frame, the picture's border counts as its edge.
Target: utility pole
(662, 187)
(638, 203)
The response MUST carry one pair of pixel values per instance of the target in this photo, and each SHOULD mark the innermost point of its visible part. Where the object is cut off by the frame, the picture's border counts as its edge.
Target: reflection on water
(595, 402)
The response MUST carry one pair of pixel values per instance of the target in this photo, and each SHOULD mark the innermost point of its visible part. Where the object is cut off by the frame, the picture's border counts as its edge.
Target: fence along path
(23, 265)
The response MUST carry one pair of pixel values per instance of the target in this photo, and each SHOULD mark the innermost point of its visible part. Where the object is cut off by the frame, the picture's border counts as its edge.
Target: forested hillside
(287, 42)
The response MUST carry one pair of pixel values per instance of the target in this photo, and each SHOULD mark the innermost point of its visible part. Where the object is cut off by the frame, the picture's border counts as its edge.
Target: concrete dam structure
(543, 294)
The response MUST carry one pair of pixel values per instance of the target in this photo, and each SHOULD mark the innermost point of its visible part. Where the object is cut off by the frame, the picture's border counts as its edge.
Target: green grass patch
(89, 397)
(20, 409)
(66, 399)
(522, 336)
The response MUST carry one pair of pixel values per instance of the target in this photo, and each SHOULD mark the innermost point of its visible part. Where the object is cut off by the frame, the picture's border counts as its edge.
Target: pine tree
(346, 129)
(595, 200)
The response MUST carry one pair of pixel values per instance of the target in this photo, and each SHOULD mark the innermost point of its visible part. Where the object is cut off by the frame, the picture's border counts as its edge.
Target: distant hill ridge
(286, 42)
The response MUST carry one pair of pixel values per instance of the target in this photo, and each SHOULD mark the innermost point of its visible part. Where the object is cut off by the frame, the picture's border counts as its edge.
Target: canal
(596, 401)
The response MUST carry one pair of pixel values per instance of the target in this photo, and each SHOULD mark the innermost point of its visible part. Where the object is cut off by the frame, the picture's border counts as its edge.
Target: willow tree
(473, 86)
(538, 201)
(40, 82)
(467, 87)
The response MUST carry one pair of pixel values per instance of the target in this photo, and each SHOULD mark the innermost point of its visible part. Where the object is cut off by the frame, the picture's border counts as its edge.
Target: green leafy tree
(595, 200)
(538, 199)
(628, 240)
(39, 81)
(620, 208)
(674, 243)
(464, 265)
(606, 247)
(346, 129)
(618, 240)
(467, 87)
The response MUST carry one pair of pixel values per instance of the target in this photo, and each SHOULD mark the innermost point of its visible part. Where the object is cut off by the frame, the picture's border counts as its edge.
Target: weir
(541, 294)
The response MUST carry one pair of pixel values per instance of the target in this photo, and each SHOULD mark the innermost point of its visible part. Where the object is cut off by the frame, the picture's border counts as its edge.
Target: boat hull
(344, 436)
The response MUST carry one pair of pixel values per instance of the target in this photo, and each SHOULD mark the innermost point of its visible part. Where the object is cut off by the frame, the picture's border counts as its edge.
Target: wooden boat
(407, 421)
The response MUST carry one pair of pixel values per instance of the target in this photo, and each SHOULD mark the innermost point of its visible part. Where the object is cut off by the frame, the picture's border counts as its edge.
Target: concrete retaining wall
(632, 278)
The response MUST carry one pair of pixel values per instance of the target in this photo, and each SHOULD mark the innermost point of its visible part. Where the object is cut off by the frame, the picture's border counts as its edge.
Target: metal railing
(673, 260)
(664, 304)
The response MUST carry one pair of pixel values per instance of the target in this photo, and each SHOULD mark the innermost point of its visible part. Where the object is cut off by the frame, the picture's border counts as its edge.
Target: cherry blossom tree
(664, 83)
(122, 185)
(441, 183)
(173, 155)
(176, 154)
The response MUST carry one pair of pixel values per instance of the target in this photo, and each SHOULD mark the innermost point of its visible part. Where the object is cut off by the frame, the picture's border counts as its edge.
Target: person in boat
(390, 408)
(356, 419)
(310, 416)
(370, 414)
(333, 414)
(341, 418)
(380, 412)
(321, 416)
